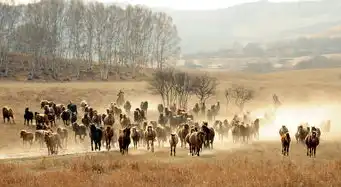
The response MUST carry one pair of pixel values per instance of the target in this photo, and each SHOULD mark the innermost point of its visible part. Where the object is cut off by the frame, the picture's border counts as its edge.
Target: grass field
(309, 95)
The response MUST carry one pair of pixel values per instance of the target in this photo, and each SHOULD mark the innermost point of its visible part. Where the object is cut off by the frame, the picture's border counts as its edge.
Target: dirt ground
(309, 95)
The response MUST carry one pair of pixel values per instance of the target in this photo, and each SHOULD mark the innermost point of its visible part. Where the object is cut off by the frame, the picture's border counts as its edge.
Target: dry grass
(257, 164)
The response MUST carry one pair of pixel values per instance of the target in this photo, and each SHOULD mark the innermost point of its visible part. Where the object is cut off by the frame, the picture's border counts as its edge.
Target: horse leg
(284, 150)
(75, 138)
(148, 145)
(127, 149)
(92, 147)
(171, 150)
(307, 151)
(174, 150)
(152, 144)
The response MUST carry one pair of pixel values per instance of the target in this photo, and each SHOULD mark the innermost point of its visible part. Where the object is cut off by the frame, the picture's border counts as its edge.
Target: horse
(285, 139)
(312, 141)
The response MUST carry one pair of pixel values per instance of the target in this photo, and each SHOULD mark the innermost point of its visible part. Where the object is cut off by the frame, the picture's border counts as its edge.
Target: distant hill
(209, 30)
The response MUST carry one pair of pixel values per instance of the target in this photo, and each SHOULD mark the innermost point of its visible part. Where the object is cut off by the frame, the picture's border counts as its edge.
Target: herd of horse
(119, 125)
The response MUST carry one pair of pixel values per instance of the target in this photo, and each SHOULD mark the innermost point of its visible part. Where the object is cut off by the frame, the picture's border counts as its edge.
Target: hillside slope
(207, 30)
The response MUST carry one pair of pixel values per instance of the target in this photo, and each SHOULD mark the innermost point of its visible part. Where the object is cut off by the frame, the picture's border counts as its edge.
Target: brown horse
(7, 113)
(301, 134)
(285, 139)
(135, 136)
(108, 135)
(124, 140)
(312, 141)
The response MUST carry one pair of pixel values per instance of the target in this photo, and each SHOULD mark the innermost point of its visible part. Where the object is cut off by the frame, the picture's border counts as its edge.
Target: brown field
(309, 95)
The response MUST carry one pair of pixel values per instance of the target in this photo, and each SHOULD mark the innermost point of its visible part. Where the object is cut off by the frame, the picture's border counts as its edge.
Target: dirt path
(161, 153)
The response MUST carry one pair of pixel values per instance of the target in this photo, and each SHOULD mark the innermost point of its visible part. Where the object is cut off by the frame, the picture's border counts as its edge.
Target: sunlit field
(256, 163)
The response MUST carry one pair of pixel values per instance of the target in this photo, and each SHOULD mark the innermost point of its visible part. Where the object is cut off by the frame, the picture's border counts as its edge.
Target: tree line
(60, 33)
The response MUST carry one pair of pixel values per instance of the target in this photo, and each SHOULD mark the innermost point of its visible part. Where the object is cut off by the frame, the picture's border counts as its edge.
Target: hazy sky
(182, 4)
(190, 4)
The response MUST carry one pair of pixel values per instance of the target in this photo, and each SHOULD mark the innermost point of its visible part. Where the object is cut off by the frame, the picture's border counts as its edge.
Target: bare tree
(54, 25)
(90, 34)
(162, 84)
(242, 95)
(204, 87)
(75, 24)
(112, 35)
(9, 15)
(166, 39)
(34, 34)
(183, 88)
(228, 96)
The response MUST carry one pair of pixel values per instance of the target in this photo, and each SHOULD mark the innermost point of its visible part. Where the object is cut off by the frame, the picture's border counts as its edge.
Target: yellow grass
(255, 164)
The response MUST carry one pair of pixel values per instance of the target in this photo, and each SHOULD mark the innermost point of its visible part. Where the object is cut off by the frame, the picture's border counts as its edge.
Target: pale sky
(191, 4)
(182, 4)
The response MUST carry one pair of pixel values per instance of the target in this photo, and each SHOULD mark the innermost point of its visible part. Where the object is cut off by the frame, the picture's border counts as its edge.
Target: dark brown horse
(108, 135)
(312, 141)
(209, 136)
(124, 140)
(285, 139)
(135, 136)
(244, 131)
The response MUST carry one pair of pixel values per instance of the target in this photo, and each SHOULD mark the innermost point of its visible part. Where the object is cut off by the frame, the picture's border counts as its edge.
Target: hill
(211, 30)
